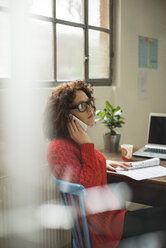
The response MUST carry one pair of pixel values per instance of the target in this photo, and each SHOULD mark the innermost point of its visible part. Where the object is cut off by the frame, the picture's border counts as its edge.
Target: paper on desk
(145, 173)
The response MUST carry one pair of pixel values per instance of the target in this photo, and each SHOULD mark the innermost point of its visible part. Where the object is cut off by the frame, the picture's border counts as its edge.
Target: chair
(69, 192)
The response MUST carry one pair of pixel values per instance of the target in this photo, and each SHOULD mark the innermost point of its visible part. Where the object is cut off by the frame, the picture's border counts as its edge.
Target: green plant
(111, 117)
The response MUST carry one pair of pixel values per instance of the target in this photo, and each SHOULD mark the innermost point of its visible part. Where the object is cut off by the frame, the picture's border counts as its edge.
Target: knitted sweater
(85, 165)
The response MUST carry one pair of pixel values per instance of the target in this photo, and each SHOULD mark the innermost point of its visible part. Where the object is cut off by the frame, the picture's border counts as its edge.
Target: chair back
(69, 193)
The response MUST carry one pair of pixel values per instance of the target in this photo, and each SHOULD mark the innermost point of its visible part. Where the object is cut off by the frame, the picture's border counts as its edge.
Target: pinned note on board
(147, 52)
(153, 53)
(147, 39)
(143, 52)
(143, 92)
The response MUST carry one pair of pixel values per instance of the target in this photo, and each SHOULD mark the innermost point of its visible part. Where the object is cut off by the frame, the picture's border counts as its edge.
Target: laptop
(156, 146)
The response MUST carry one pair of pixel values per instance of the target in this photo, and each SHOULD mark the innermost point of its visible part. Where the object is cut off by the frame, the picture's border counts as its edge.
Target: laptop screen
(157, 130)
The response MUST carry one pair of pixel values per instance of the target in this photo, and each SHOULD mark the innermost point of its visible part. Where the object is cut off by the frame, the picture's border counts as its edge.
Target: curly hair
(56, 114)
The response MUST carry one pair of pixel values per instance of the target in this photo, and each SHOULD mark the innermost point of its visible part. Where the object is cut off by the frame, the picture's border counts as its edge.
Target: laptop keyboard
(155, 150)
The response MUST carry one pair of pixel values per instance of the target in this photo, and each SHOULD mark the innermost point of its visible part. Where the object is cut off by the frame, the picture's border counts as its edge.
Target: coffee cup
(126, 152)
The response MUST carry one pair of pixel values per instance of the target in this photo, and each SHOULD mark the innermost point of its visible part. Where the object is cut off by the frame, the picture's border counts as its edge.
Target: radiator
(44, 237)
(48, 193)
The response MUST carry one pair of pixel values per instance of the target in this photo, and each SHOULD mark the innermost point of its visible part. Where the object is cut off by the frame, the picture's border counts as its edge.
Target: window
(69, 40)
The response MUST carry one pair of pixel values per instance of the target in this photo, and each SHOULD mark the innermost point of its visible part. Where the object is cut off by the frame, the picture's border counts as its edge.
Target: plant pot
(111, 142)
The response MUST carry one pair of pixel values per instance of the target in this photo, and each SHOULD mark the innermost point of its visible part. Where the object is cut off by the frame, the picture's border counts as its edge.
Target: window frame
(100, 81)
(86, 27)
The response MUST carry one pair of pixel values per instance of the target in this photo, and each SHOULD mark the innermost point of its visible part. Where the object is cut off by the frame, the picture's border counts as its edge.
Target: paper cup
(127, 152)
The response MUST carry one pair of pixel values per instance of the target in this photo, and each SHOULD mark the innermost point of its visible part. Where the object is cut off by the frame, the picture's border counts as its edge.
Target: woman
(73, 157)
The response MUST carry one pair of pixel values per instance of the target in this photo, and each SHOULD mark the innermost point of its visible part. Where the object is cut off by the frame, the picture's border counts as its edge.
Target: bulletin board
(147, 52)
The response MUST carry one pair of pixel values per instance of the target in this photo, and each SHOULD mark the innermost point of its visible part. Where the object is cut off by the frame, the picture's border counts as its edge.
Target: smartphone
(83, 125)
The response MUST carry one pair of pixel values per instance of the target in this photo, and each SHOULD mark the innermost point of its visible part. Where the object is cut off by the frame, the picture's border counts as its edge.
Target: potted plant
(112, 118)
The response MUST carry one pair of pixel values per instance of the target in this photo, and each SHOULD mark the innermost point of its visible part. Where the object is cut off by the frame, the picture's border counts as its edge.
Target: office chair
(69, 192)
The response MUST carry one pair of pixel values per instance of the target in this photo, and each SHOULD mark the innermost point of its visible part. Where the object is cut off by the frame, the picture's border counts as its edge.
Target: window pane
(70, 10)
(41, 7)
(41, 45)
(98, 54)
(4, 45)
(5, 3)
(99, 13)
(70, 49)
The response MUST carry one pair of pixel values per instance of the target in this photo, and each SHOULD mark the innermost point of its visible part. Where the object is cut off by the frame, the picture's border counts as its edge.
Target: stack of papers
(143, 169)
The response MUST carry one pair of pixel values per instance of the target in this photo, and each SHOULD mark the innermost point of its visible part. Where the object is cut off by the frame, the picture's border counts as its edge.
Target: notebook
(156, 144)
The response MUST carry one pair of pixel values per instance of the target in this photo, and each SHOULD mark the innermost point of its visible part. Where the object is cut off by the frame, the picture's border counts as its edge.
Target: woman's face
(86, 116)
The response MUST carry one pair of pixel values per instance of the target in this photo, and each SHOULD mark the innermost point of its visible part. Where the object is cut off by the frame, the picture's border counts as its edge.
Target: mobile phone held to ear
(83, 125)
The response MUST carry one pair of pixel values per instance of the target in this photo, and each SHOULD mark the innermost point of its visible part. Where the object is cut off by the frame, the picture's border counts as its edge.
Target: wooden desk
(149, 192)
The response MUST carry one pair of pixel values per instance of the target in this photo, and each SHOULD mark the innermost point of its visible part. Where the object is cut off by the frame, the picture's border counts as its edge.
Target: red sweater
(87, 166)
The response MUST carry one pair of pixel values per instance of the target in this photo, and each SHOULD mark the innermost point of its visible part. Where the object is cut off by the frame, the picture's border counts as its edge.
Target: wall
(131, 19)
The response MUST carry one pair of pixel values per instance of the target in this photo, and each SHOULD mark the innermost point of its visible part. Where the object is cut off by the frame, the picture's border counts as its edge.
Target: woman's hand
(77, 133)
(112, 165)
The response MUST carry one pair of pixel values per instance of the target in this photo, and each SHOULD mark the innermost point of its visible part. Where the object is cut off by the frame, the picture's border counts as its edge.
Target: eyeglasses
(82, 106)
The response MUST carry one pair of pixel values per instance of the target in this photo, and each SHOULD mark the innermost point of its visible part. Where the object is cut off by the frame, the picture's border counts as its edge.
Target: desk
(149, 192)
